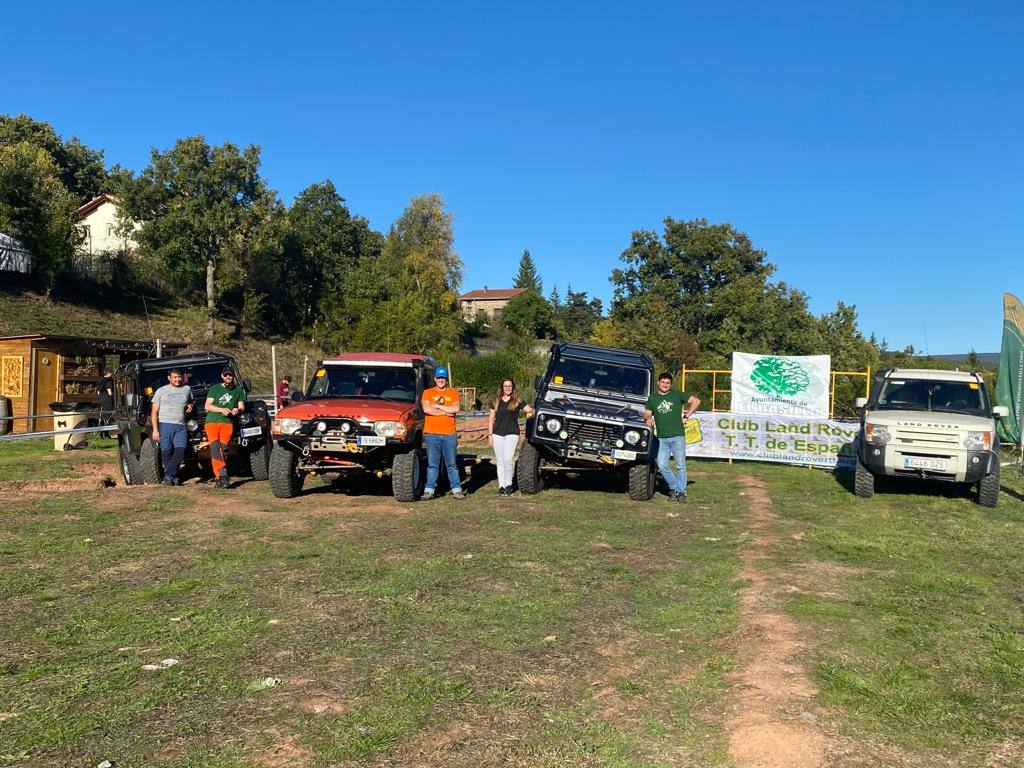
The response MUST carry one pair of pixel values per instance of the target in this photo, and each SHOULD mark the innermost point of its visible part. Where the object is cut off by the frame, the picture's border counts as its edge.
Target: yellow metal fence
(722, 389)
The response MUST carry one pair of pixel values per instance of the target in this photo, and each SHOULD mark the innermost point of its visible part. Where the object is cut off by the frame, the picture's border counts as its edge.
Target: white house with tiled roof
(488, 301)
(98, 221)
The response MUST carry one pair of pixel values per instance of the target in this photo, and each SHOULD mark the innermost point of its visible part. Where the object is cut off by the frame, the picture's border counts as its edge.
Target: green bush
(485, 373)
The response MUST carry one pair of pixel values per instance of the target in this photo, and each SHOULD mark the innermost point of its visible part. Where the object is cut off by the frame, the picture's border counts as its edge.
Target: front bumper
(960, 466)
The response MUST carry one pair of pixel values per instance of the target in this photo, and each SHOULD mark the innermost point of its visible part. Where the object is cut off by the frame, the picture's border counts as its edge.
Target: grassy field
(571, 628)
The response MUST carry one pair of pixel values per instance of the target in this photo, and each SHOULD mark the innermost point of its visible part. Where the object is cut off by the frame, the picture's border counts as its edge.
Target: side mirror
(247, 385)
(296, 397)
(538, 382)
(1000, 411)
(860, 402)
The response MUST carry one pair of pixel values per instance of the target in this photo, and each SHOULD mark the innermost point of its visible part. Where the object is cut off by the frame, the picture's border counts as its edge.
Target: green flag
(1011, 368)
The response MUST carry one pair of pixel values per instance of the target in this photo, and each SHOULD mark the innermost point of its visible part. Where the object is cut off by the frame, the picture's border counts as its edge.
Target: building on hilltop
(489, 301)
(98, 221)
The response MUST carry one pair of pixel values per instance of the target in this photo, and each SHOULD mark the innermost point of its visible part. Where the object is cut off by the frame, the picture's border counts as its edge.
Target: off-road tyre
(150, 463)
(259, 460)
(131, 467)
(407, 476)
(528, 476)
(641, 481)
(988, 488)
(285, 478)
(863, 481)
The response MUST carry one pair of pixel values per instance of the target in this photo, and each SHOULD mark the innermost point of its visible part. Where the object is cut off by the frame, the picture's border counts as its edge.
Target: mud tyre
(641, 482)
(150, 463)
(285, 477)
(528, 476)
(259, 461)
(131, 467)
(988, 489)
(863, 481)
(407, 476)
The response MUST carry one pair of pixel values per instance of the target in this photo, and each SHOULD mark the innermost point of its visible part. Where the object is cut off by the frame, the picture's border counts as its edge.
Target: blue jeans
(675, 447)
(173, 439)
(442, 447)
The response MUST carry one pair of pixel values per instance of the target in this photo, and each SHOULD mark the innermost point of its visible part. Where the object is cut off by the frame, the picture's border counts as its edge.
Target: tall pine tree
(528, 278)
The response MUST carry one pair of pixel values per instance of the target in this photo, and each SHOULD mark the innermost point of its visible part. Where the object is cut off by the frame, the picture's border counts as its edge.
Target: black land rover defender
(589, 414)
(134, 385)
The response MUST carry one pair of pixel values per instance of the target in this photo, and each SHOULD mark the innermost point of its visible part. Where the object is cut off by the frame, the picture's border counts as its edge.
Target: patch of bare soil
(285, 753)
(771, 725)
(58, 485)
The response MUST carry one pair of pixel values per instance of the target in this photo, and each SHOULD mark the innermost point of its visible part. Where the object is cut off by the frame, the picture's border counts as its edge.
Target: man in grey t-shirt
(170, 404)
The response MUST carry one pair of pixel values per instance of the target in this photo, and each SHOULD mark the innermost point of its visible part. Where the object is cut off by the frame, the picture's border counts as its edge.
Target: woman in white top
(503, 427)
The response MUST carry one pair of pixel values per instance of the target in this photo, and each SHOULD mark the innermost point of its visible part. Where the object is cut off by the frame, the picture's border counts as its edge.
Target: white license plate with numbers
(371, 440)
(252, 431)
(936, 464)
(624, 455)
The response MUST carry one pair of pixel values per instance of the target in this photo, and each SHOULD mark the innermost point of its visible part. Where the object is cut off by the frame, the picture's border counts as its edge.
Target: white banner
(786, 439)
(773, 384)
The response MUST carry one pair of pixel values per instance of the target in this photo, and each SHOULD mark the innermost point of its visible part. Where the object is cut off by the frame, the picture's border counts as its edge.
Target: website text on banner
(777, 384)
(785, 439)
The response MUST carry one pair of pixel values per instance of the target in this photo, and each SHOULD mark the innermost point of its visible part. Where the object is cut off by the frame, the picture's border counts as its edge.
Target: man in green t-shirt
(667, 410)
(224, 401)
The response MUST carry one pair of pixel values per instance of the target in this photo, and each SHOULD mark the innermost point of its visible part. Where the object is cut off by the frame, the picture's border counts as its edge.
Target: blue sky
(873, 149)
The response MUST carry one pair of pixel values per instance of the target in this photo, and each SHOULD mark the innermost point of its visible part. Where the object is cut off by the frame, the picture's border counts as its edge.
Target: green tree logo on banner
(779, 376)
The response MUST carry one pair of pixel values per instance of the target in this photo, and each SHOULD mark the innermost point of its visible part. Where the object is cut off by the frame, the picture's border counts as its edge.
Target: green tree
(973, 362)
(528, 314)
(79, 168)
(37, 209)
(554, 299)
(201, 208)
(709, 282)
(574, 320)
(528, 278)
(410, 297)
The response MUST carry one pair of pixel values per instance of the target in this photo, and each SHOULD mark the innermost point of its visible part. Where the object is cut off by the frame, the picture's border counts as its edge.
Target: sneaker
(681, 498)
(223, 483)
(503, 492)
(673, 495)
(168, 481)
(428, 494)
(458, 495)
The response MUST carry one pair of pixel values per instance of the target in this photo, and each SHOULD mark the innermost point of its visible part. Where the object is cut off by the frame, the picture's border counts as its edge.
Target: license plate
(939, 464)
(371, 440)
(252, 431)
(624, 455)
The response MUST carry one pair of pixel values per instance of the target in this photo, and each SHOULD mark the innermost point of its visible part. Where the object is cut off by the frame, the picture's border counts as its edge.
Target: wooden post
(273, 373)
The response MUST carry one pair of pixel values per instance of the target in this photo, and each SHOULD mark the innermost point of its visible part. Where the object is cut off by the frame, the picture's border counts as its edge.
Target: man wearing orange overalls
(224, 401)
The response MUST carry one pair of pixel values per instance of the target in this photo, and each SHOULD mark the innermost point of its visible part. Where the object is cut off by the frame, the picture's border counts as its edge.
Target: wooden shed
(38, 369)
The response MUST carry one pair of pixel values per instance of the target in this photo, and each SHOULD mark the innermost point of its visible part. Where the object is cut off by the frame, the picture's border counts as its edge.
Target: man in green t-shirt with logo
(667, 410)
(224, 401)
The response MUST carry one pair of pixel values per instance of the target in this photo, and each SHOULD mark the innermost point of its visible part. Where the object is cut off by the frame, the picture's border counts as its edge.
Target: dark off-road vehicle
(589, 414)
(134, 385)
(360, 416)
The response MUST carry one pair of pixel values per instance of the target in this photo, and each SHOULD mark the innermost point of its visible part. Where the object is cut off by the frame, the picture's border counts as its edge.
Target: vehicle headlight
(287, 426)
(192, 425)
(877, 434)
(632, 436)
(321, 426)
(389, 428)
(553, 425)
(978, 441)
(346, 427)
(245, 418)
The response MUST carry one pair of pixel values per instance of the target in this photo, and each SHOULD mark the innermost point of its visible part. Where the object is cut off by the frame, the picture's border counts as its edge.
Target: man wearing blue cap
(440, 404)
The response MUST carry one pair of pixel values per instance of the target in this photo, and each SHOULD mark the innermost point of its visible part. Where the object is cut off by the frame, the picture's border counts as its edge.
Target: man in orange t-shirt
(440, 404)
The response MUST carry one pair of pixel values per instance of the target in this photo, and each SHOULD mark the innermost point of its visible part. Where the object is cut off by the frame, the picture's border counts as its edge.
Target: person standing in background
(667, 410)
(106, 392)
(284, 392)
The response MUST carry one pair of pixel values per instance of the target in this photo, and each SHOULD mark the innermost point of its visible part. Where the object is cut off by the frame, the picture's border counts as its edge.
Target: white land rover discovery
(932, 425)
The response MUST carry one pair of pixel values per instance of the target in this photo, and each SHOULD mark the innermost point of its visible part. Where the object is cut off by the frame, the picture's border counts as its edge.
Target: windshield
(966, 397)
(606, 377)
(365, 381)
(199, 377)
